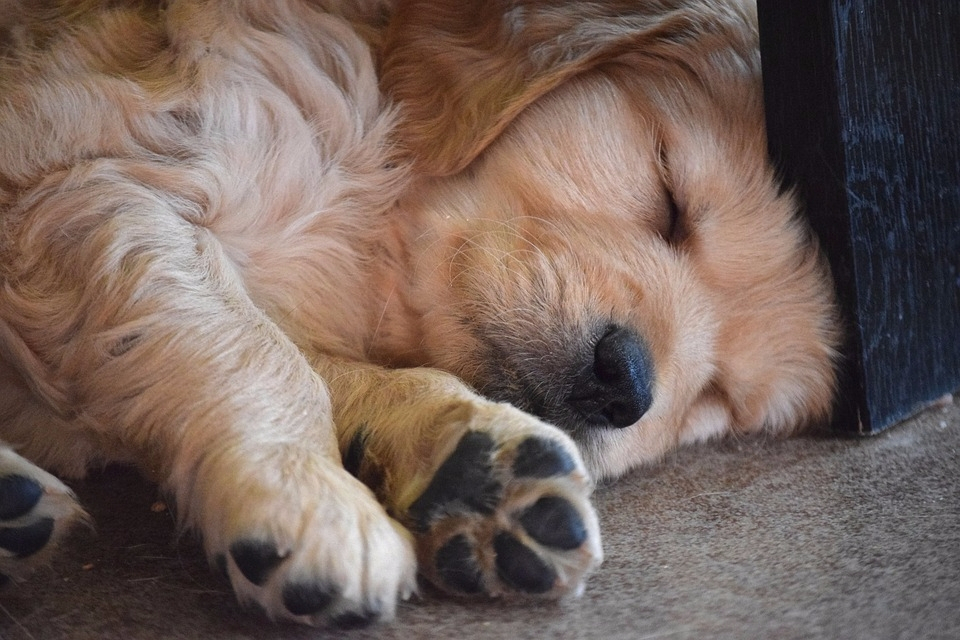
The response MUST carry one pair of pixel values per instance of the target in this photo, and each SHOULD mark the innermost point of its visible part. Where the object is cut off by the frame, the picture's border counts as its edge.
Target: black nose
(616, 389)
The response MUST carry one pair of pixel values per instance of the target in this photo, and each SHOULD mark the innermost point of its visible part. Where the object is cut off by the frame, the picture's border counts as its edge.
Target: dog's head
(599, 237)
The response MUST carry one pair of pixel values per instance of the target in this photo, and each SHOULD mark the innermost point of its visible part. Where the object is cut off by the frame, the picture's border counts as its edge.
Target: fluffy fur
(235, 237)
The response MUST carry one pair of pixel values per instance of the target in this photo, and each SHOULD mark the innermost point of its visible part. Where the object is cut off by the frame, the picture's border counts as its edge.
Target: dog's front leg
(293, 531)
(498, 501)
(130, 320)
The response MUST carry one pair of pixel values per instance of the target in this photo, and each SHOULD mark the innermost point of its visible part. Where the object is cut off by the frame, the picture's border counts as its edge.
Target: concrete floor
(806, 538)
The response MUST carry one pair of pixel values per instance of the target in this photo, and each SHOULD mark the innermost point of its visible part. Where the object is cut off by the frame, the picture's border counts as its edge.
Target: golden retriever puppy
(373, 289)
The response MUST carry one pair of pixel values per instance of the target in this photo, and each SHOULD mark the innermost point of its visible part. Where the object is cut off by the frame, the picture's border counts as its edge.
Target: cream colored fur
(217, 227)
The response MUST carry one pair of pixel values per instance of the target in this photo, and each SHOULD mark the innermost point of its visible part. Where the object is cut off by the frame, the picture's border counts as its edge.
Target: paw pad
(506, 517)
(519, 566)
(353, 620)
(539, 458)
(463, 483)
(554, 522)
(25, 541)
(18, 495)
(456, 566)
(307, 599)
(256, 559)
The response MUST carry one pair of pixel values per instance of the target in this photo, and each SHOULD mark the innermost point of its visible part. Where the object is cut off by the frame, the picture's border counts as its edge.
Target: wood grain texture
(863, 112)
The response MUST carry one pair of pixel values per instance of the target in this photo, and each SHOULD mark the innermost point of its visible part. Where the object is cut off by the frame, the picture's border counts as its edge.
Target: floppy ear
(461, 70)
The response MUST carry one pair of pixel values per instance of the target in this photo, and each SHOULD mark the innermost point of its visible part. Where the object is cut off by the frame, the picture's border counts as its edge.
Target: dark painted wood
(863, 115)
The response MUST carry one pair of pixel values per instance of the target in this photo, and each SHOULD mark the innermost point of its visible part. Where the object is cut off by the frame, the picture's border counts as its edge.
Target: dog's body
(224, 246)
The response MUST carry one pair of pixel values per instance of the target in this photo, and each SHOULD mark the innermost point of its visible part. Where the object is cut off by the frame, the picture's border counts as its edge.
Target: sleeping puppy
(372, 290)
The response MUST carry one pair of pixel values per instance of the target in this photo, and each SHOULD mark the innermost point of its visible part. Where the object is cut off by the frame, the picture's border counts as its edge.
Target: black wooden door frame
(863, 115)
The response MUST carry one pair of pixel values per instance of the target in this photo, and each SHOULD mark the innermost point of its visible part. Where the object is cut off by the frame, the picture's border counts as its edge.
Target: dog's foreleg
(136, 319)
(497, 500)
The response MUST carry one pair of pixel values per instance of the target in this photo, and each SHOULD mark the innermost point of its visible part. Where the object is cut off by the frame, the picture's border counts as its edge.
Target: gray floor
(805, 538)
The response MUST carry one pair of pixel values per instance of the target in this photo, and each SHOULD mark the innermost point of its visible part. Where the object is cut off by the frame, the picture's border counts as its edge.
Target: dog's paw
(508, 512)
(308, 543)
(36, 510)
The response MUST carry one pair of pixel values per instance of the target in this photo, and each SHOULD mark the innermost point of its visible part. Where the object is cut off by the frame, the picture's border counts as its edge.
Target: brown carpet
(805, 538)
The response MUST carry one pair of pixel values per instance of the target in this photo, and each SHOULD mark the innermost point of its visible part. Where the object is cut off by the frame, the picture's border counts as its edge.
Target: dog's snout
(617, 388)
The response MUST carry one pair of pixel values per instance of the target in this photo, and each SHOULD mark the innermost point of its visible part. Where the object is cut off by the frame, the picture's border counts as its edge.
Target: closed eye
(675, 229)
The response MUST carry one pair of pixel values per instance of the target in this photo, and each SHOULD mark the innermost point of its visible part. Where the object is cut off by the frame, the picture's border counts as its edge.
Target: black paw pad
(256, 559)
(540, 458)
(520, 567)
(307, 598)
(18, 495)
(554, 522)
(26, 541)
(463, 482)
(456, 566)
(353, 620)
